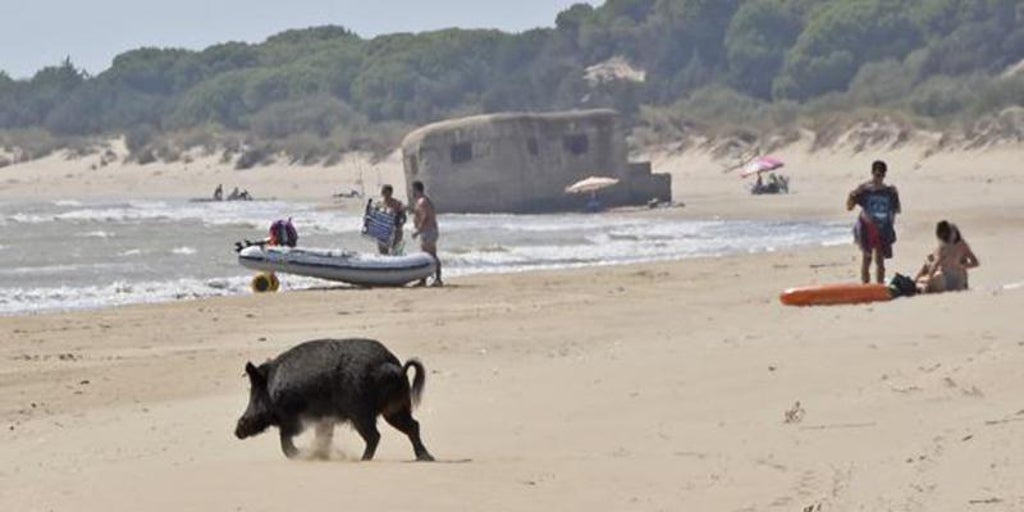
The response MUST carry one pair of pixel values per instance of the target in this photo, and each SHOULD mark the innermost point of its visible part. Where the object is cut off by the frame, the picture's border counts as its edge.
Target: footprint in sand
(807, 484)
(795, 414)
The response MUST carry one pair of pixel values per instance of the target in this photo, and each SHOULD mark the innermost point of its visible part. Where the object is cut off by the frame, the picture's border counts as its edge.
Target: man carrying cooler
(396, 208)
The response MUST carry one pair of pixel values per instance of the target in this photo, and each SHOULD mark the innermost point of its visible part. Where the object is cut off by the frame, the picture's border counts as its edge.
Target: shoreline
(453, 277)
(530, 272)
(519, 243)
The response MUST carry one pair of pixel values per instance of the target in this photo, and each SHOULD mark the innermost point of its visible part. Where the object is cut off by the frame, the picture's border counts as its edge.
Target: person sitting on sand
(234, 195)
(875, 229)
(946, 268)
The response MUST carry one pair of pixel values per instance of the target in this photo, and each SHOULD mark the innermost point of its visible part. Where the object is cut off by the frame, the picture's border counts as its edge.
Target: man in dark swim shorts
(425, 221)
(875, 230)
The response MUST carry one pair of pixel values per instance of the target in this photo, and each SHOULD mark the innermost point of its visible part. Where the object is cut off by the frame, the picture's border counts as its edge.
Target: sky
(38, 33)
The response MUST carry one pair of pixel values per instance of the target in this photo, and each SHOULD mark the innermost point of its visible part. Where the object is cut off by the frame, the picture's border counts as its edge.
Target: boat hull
(335, 265)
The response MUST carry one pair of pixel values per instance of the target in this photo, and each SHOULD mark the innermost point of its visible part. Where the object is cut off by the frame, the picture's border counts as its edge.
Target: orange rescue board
(826, 294)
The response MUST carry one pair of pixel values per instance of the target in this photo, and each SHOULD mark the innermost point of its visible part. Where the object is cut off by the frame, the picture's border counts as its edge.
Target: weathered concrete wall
(523, 162)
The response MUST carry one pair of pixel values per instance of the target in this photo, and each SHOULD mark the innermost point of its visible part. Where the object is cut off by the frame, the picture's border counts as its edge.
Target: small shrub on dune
(30, 144)
(252, 157)
(381, 139)
(943, 96)
(999, 94)
(332, 159)
(305, 148)
(138, 138)
(168, 152)
(79, 147)
(207, 138)
(145, 157)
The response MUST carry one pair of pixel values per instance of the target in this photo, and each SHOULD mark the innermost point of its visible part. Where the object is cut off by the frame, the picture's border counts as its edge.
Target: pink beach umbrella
(761, 164)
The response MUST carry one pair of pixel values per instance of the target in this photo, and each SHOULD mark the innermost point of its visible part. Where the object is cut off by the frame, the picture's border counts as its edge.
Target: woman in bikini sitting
(946, 268)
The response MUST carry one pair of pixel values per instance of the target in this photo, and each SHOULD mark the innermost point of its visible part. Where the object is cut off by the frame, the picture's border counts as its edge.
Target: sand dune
(647, 387)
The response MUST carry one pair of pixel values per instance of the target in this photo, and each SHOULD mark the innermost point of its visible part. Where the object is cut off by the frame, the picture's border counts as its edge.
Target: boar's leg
(367, 428)
(403, 421)
(287, 446)
(324, 436)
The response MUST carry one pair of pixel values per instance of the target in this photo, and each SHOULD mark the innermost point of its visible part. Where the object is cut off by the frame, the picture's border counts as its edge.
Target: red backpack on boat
(282, 232)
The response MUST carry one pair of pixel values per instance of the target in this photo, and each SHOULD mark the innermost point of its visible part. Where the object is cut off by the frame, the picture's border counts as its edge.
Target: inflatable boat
(359, 269)
(830, 294)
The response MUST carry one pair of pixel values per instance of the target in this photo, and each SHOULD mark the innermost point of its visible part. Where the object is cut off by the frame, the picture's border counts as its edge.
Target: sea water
(66, 255)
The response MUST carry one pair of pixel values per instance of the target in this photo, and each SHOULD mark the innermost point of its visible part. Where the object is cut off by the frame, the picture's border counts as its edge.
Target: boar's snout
(248, 427)
(240, 431)
(256, 417)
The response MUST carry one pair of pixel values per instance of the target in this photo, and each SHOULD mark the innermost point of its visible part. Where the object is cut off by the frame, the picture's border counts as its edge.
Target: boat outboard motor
(283, 232)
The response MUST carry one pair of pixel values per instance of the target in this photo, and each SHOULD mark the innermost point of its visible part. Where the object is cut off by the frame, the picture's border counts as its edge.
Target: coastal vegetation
(671, 66)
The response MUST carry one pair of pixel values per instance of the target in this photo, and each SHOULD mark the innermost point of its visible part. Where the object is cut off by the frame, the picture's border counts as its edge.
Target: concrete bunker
(522, 162)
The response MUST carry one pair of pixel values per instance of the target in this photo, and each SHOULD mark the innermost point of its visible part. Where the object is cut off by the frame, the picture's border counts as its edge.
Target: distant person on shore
(875, 230)
(425, 223)
(218, 193)
(234, 194)
(396, 208)
(946, 268)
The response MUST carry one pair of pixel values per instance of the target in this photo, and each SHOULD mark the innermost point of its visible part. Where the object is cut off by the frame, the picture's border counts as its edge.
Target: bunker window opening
(461, 152)
(531, 146)
(576, 144)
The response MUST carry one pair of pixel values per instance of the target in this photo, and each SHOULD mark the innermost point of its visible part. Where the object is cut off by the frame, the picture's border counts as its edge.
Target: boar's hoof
(288, 447)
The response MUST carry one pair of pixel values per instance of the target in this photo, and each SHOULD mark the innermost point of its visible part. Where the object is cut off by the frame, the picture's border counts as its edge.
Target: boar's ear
(255, 376)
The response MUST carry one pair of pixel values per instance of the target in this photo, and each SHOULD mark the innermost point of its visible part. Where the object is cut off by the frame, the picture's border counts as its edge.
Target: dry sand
(648, 387)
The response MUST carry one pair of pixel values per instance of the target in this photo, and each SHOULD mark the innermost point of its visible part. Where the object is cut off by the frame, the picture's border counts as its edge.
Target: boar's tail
(418, 380)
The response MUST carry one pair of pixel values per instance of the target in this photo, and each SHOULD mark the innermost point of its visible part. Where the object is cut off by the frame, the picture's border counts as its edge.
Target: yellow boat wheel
(265, 282)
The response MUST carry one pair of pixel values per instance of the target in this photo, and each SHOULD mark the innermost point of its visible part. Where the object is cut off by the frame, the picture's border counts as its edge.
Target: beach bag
(902, 286)
(282, 232)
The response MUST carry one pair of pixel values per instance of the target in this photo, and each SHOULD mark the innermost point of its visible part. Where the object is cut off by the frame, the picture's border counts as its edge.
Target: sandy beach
(645, 387)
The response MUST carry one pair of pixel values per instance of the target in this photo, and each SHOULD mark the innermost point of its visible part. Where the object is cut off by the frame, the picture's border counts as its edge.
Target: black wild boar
(325, 382)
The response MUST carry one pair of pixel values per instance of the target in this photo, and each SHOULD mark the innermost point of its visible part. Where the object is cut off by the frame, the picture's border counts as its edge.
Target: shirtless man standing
(425, 224)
